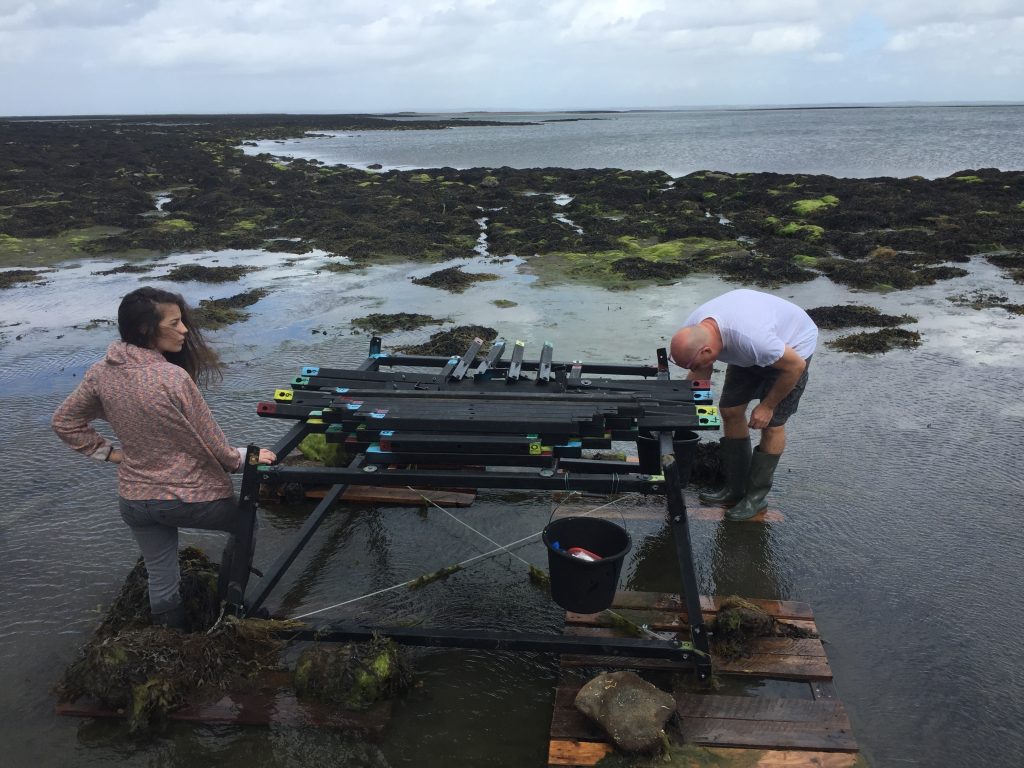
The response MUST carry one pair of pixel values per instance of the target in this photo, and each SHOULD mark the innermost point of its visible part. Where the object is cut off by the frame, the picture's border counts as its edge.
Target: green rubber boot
(759, 482)
(735, 456)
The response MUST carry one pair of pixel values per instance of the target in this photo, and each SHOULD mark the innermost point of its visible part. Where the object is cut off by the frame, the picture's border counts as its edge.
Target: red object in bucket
(583, 554)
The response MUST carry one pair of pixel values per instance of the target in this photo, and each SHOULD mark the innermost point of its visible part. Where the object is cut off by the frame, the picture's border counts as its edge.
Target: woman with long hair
(173, 459)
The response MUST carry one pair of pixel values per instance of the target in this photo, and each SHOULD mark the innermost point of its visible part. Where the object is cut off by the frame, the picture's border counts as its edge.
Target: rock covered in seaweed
(354, 676)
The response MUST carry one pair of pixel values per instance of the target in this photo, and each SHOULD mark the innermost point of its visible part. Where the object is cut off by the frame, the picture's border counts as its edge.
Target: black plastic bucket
(579, 585)
(684, 445)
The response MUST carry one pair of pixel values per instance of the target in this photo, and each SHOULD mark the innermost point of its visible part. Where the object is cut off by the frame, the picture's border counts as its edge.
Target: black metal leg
(287, 444)
(234, 575)
(684, 552)
(284, 561)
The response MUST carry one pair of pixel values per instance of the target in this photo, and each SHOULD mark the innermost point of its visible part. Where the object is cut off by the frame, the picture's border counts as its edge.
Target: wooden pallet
(804, 726)
(270, 702)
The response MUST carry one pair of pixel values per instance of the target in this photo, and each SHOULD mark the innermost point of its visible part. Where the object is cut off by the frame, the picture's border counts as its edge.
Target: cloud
(407, 54)
(55, 14)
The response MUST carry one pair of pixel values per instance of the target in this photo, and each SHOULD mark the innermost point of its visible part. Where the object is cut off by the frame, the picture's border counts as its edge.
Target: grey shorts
(743, 384)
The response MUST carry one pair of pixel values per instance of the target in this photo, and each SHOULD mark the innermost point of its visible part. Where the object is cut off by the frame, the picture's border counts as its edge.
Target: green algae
(174, 225)
(504, 303)
(316, 448)
(354, 676)
(804, 207)
(807, 231)
(47, 251)
(599, 268)
(438, 575)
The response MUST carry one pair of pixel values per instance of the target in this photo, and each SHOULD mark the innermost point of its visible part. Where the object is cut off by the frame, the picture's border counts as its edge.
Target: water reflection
(743, 562)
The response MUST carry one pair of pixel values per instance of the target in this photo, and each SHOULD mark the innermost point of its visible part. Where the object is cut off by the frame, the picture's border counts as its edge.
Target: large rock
(630, 710)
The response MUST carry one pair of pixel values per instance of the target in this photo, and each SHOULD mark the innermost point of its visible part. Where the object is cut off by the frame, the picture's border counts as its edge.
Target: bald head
(693, 346)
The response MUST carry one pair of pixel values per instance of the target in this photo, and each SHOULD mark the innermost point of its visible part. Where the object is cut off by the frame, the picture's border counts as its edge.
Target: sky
(82, 57)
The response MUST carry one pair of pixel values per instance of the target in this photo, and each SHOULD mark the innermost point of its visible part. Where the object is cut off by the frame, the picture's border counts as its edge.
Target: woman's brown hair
(138, 319)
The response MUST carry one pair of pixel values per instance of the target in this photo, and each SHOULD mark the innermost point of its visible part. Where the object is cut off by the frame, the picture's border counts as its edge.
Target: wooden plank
(369, 494)
(568, 753)
(729, 720)
(661, 622)
(781, 646)
(667, 601)
(700, 705)
(767, 735)
(802, 668)
(583, 753)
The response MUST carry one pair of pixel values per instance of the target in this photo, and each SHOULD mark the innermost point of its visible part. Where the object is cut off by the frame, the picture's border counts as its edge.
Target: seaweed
(453, 279)
(148, 671)
(184, 273)
(78, 186)
(845, 316)
(877, 342)
(428, 578)
(454, 341)
(354, 676)
(400, 321)
(12, 277)
(739, 621)
(216, 313)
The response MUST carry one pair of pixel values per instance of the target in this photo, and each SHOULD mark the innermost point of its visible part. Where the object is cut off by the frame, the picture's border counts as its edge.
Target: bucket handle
(624, 526)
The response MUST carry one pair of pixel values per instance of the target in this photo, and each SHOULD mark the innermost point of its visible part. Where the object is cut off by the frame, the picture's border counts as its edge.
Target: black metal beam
(499, 641)
(544, 480)
(237, 561)
(680, 526)
(277, 569)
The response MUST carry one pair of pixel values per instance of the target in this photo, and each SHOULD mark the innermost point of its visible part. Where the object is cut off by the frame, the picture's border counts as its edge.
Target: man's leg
(773, 440)
(734, 454)
(765, 458)
(734, 421)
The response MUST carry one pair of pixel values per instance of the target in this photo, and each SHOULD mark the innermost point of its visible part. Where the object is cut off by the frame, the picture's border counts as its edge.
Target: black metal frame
(562, 404)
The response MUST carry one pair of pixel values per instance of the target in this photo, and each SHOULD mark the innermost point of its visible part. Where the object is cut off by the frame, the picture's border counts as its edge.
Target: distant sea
(855, 142)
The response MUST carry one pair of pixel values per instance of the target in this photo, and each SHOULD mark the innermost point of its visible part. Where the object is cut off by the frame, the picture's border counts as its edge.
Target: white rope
(474, 530)
(464, 563)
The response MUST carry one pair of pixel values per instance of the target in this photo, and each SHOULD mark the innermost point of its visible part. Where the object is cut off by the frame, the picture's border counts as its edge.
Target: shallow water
(928, 141)
(901, 492)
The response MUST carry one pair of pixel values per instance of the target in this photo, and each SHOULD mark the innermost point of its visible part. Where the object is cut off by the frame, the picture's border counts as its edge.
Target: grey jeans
(155, 524)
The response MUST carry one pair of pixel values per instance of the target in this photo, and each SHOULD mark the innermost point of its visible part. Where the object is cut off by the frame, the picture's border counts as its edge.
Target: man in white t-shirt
(767, 343)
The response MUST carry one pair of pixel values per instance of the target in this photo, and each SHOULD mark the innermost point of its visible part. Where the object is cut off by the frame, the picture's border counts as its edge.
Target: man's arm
(791, 366)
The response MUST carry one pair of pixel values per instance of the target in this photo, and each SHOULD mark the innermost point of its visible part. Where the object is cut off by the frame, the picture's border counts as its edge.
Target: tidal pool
(900, 489)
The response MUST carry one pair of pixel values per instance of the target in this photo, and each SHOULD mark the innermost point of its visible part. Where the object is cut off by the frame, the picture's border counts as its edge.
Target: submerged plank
(278, 708)
(368, 494)
(667, 601)
(658, 512)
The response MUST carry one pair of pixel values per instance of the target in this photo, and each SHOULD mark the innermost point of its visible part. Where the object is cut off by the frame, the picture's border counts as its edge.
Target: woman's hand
(267, 457)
